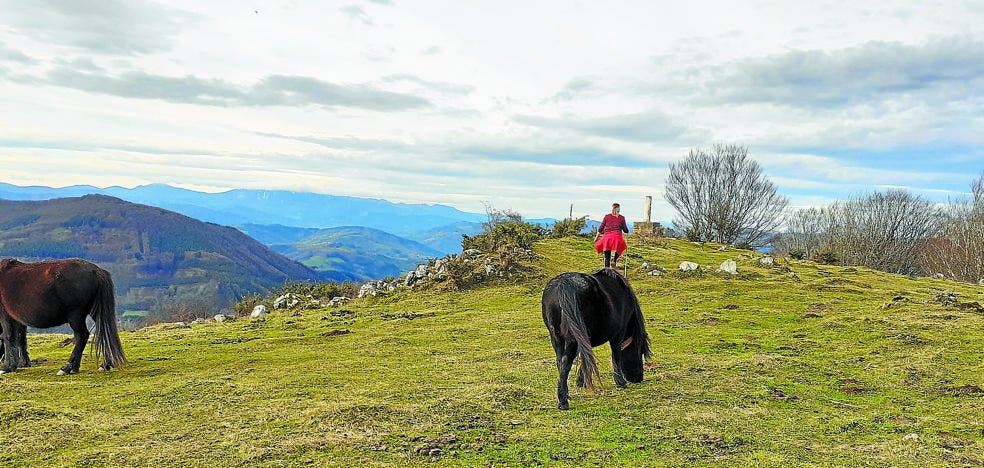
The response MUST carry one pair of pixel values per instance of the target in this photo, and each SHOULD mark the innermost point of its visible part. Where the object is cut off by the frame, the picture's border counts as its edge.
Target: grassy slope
(760, 369)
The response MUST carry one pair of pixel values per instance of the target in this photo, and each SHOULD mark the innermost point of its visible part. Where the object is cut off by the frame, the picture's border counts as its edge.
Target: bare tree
(956, 253)
(499, 216)
(723, 196)
(883, 231)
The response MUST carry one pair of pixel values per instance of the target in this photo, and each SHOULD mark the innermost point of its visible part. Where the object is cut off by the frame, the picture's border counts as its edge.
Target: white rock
(912, 436)
(688, 266)
(729, 266)
(288, 301)
(259, 311)
(219, 318)
(767, 261)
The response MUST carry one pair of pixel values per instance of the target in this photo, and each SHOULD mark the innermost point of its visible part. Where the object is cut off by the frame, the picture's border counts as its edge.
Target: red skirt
(612, 240)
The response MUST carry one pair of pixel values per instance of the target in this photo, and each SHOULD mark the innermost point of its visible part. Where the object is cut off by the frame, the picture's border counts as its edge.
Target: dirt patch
(335, 333)
(853, 386)
(408, 315)
(965, 390)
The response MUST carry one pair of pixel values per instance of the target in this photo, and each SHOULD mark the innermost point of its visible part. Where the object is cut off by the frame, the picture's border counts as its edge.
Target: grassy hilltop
(795, 364)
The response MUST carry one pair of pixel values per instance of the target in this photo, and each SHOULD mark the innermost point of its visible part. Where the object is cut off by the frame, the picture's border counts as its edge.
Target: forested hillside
(162, 263)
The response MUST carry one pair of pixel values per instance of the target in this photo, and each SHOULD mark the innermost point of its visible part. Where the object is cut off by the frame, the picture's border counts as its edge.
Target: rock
(259, 311)
(723, 248)
(645, 264)
(912, 436)
(688, 266)
(219, 318)
(339, 300)
(981, 283)
(729, 266)
(286, 301)
(767, 261)
(175, 326)
(411, 278)
(198, 320)
(471, 252)
(937, 276)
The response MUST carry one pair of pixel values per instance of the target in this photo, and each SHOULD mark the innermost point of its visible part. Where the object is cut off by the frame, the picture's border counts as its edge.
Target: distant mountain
(163, 263)
(273, 207)
(345, 253)
(446, 239)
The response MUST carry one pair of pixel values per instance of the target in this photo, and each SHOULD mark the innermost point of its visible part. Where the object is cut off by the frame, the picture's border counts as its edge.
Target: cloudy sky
(526, 105)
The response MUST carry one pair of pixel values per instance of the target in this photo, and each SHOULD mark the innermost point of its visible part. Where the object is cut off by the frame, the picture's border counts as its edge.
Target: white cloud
(533, 106)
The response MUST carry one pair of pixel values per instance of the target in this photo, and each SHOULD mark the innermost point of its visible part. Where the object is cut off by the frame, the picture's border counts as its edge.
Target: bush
(569, 227)
(508, 235)
(827, 257)
(798, 254)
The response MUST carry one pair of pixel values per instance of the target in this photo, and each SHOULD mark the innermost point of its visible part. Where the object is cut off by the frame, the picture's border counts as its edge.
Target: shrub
(798, 254)
(508, 235)
(569, 227)
(827, 257)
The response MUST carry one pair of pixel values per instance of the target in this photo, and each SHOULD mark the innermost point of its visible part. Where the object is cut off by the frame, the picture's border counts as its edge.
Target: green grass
(831, 367)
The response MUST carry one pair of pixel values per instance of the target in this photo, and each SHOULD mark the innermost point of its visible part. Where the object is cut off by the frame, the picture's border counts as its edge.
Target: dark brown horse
(52, 293)
(583, 311)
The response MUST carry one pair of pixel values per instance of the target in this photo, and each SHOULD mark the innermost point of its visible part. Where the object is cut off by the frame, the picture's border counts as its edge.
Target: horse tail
(573, 317)
(104, 314)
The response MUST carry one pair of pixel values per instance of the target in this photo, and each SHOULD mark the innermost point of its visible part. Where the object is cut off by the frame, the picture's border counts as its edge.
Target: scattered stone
(689, 266)
(219, 318)
(175, 326)
(767, 261)
(912, 436)
(335, 333)
(286, 301)
(259, 311)
(198, 320)
(729, 266)
(981, 282)
(339, 300)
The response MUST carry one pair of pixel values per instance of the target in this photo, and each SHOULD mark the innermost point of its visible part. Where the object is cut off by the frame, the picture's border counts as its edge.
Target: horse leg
(565, 360)
(10, 352)
(81, 338)
(21, 332)
(620, 381)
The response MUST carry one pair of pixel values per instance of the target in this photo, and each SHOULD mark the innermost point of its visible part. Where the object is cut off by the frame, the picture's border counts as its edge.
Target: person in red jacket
(609, 236)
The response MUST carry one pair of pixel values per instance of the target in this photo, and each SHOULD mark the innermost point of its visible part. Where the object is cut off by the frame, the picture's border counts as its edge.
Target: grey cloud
(116, 27)
(652, 126)
(953, 68)
(275, 90)
(357, 13)
(439, 86)
(10, 55)
(573, 89)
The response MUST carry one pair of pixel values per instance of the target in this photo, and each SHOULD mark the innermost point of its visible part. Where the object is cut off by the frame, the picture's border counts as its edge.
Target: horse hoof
(102, 369)
(61, 372)
(563, 406)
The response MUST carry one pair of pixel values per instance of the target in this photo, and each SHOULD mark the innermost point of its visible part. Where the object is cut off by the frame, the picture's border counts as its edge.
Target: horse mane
(639, 330)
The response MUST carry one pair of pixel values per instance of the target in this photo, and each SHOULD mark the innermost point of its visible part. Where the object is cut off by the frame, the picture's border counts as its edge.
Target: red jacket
(613, 223)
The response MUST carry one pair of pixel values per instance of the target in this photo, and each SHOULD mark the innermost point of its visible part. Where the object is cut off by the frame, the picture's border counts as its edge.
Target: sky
(532, 106)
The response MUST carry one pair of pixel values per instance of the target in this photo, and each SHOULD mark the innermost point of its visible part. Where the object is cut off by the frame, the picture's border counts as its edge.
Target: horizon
(433, 103)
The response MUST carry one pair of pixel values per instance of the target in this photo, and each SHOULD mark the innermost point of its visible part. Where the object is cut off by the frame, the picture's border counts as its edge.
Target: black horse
(52, 293)
(583, 311)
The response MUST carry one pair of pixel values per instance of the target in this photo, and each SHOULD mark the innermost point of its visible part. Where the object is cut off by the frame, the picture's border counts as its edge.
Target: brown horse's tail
(573, 317)
(104, 314)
